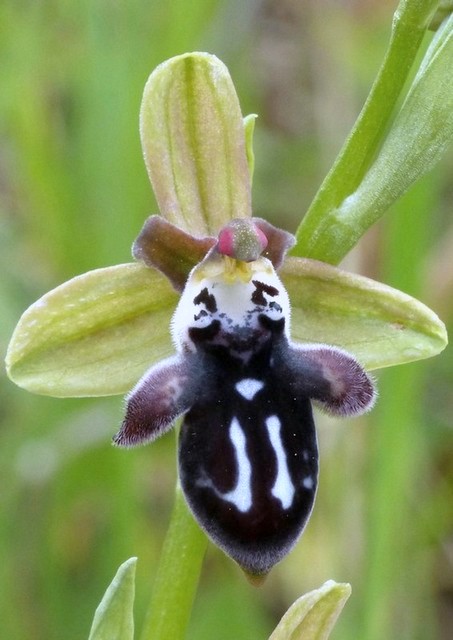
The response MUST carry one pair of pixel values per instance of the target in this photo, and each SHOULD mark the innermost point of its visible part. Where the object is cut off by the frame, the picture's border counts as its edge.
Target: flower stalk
(177, 576)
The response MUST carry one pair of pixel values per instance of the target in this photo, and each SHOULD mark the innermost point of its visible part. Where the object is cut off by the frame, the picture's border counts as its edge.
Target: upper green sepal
(313, 615)
(194, 144)
(249, 129)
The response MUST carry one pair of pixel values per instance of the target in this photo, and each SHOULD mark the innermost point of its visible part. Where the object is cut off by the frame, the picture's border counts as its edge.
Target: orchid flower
(262, 324)
(248, 453)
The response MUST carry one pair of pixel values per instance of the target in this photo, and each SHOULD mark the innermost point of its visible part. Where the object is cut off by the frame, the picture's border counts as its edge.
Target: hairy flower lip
(244, 388)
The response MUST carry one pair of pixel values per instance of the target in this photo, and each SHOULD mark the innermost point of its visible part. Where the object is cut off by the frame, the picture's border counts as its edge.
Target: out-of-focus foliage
(74, 194)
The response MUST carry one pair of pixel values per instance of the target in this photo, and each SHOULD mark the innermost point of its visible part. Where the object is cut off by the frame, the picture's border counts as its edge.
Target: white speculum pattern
(248, 387)
(241, 495)
(283, 488)
(230, 298)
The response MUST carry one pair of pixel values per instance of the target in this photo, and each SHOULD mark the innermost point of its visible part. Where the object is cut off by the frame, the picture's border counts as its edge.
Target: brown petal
(171, 250)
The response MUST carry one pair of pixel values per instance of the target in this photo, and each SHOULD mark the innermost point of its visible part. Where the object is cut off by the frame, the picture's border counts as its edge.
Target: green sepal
(114, 617)
(249, 128)
(380, 325)
(193, 140)
(313, 616)
(95, 334)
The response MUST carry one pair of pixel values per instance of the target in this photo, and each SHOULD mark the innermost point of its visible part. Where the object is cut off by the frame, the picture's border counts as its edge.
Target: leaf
(380, 325)
(94, 335)
(313, 616)
(114, 617)
(193, 140)
(421, 132)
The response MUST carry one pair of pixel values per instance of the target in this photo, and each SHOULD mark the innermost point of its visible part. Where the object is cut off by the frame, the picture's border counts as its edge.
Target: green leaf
(94, 335)
(381, 326)
(416, 141)
(114, 617)
(193, 140)
(313, 616)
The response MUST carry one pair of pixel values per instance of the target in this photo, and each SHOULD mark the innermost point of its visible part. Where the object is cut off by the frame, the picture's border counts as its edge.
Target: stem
(314, 235)
(177, 576)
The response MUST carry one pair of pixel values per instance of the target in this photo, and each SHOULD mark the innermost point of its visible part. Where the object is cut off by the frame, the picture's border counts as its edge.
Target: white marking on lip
(283, 488)
(248, 387)
(241, 495)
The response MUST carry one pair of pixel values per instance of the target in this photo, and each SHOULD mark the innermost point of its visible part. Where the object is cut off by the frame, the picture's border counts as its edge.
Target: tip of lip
(255, 579)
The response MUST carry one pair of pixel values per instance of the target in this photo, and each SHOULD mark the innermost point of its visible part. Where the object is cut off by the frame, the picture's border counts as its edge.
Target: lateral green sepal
(380, 325)
(94, 335)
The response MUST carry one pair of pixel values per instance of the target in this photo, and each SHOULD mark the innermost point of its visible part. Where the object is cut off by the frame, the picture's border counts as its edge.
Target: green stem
(177, 576)
(410, 22)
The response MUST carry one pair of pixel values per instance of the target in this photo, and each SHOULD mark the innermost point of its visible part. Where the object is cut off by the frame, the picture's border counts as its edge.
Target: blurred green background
(73, 196)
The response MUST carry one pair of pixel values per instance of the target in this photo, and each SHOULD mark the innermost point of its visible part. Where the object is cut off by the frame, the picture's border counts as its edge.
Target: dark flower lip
(248, 460)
